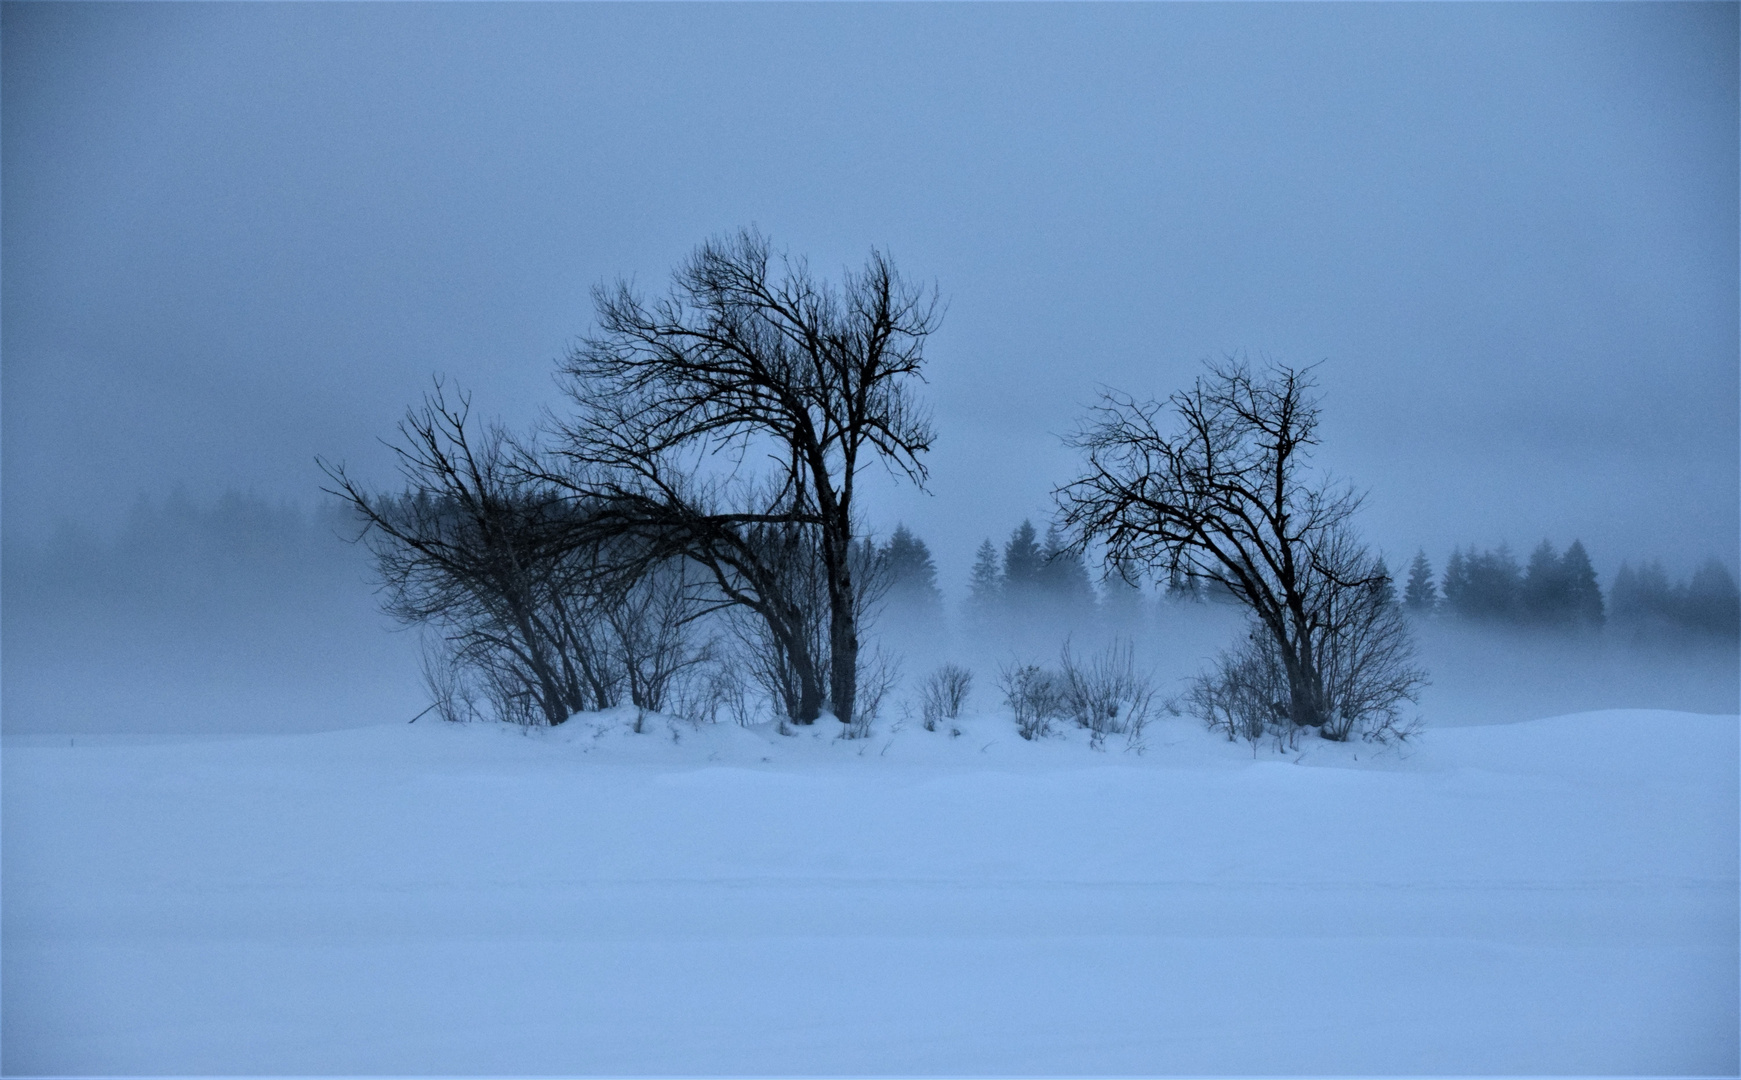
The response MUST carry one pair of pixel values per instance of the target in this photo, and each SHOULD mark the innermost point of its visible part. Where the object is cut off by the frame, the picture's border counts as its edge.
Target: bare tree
(749, 354)
(1215, 484)
(476, 548)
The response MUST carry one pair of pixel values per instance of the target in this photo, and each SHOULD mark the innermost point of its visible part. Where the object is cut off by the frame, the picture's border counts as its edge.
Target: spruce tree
(1545, 595)
(1420, 596)
(1121, 600)
(985, 587)
(1623, 596)
(1583, 597)
(913, 588)
(1063, 577)
(1023, 563)
(1183, 588)
(1456, 584)
(1493, 580)
(1386, 584)
(1655, 598)
(1713, 604)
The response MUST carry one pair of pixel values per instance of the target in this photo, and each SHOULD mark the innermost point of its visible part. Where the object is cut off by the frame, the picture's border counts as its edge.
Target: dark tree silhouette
(749, 354)
(1214, 484)
(1420, 596)
(1713, 604)
(984, 587)
(476, 548)
(1545, 593)
(912, 576)
(1023, 566)
(1064, 575)
(1483, 584)
(1583, 596)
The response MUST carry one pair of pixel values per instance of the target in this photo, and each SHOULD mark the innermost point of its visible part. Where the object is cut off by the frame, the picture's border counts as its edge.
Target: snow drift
(1552, 896)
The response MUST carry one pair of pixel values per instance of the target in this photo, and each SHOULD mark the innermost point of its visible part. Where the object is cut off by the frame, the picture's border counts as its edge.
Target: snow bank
(1552, 896)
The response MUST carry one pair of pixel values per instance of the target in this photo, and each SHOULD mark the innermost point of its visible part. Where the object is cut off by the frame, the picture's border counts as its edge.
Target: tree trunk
(802, 664)
(843, 662)
(842, 631)
(1305, 688)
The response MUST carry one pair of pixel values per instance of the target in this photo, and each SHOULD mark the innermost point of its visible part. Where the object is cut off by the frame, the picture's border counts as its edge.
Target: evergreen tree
(1121, 601)
(1420, 596)
(1386, 586)
(1712, 604)
(1493, 583)
(985, 587)
(1483, 584)
(1063, 577)
(1545, 595)
(1023, 564)
(1583, 597)
(1643, 595)
(1456, 584)
(1623, 595)
(913, 591)
(1184, 589)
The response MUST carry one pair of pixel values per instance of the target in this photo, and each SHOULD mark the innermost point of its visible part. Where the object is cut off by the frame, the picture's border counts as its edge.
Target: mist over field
(870, 539)
(244, 616)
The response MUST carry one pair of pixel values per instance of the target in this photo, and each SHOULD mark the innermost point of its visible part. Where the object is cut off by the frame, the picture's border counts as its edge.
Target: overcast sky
(235, 237)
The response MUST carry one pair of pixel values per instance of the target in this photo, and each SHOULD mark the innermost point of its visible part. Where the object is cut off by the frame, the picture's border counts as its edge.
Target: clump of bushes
(1103, 693)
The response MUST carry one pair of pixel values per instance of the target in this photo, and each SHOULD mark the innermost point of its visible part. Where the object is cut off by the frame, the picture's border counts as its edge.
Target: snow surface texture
(1552, 896)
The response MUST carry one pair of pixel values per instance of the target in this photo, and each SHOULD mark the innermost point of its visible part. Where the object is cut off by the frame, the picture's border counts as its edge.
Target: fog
(240, 236)
(241, 616)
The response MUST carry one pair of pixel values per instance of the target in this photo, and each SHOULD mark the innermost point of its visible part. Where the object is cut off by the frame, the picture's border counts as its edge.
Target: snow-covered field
(1558, 895)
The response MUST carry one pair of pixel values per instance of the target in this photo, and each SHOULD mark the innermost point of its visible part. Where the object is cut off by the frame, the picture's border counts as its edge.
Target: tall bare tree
(748, 355)
(1215, 484)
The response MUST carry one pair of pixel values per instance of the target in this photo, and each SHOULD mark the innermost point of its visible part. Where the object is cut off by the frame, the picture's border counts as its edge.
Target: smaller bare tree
(1214, 485)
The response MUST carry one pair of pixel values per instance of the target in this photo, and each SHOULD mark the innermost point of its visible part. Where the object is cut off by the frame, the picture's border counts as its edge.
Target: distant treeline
(176, 543)
(1560, 590)
(180, 547)
(1036, 577)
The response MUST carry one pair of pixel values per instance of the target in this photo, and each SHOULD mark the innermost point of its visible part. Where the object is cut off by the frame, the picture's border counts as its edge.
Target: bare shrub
(943, 694)
(1244, 694)
(479, 551)
(1368, 670)
(1035, 695)
(704, 693)
(1104, 693)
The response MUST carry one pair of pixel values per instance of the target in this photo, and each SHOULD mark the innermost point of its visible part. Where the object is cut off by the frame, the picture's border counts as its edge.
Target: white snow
(1552, 896)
